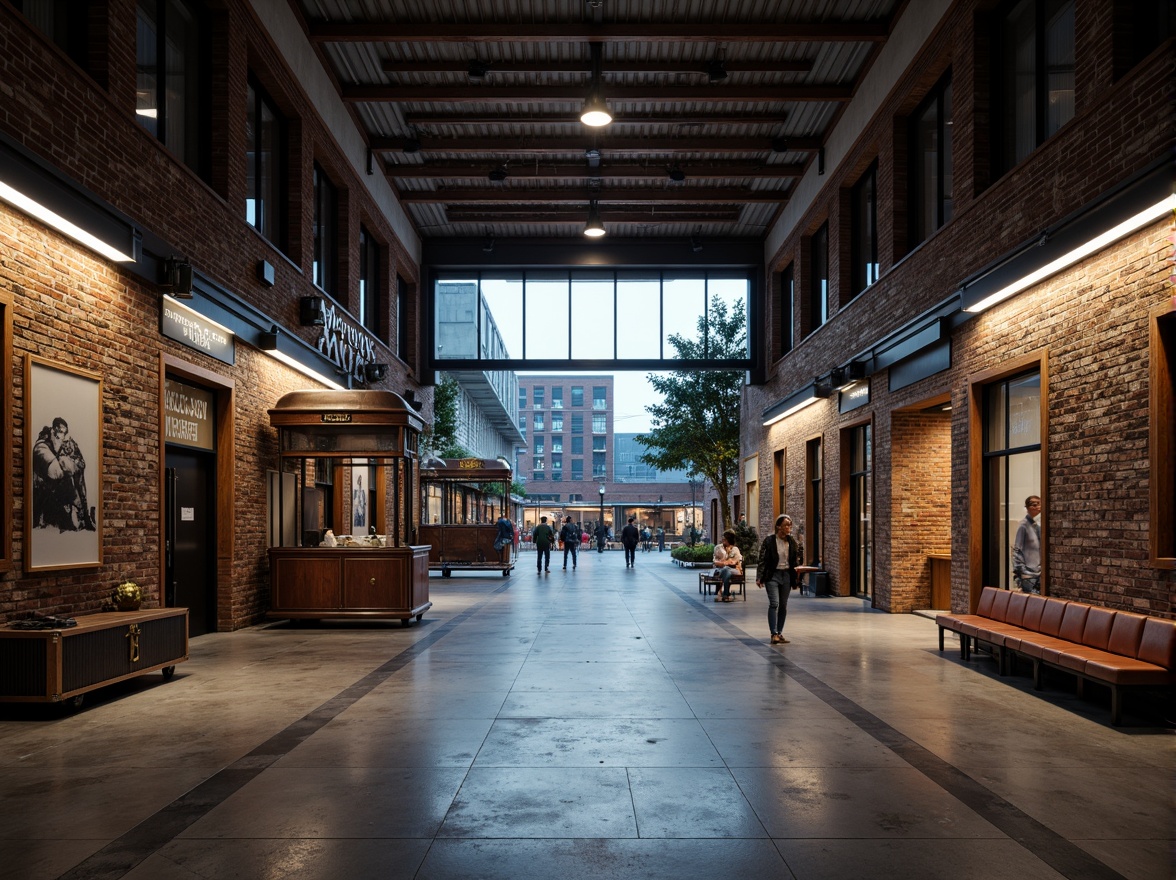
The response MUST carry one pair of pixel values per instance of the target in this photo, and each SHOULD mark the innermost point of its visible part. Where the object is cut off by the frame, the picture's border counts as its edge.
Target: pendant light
(595, 111)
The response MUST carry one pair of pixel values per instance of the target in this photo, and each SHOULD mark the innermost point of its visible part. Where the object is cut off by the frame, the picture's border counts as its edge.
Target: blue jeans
(724, 574)
(779, 587)
(542, 558)
(573, 548)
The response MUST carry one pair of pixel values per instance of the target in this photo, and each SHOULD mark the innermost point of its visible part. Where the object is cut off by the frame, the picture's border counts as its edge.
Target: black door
(191, 537)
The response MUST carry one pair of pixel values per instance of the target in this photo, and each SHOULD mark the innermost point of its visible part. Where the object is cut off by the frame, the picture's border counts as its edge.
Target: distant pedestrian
(661, 539)
(629, 538)
(544, 537)
(570, 535)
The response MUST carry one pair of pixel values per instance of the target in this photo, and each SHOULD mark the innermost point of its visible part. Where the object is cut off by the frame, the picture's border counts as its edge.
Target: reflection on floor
(602, 723)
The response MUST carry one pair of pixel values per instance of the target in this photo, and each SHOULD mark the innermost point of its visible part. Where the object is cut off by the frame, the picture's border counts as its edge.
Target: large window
(539, 421)
(539, 395)
(577, 469)
(577, 424)
(556, 419)
(557, 397)
(598, 425)
(585, 315)
(577, 395)
(170, 87)
(1163, 439)
(1011, 468)
(1036, 74)
(599, 398)
(577, 445)
(371, 300)
(819, 278)
(65, 22)
(864, 238)
(860, 501)
(814, 506)
(787, 307)
(325, 231)
(264, 136)
(931, 162)
(402, 318)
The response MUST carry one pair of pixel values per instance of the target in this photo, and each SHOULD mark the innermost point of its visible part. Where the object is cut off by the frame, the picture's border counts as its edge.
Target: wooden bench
(1114, 648)
(708, 579)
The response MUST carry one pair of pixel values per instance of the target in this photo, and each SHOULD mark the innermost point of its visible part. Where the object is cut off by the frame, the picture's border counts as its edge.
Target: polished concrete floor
(602, 723)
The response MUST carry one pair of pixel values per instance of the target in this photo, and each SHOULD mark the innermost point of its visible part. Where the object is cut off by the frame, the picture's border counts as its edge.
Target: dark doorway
(191, 537)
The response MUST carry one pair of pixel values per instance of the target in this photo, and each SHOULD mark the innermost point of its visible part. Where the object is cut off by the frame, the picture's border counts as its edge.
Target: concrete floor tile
(603, 860)
(354, 740)
(693, 803)
(287, 859)
(595, 704)
(796, 742)
(913, 860)
(545, 803)
(333, 803)
(592, 742)
(43, 859)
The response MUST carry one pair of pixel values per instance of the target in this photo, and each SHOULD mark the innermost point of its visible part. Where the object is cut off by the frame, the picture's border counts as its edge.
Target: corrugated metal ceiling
(733, 140)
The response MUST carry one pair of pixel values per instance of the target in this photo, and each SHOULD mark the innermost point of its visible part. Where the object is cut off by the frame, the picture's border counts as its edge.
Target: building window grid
(169, 88)
(864, 242)
(264, 162)
(325, 219)
(787, 307)
(819, 279)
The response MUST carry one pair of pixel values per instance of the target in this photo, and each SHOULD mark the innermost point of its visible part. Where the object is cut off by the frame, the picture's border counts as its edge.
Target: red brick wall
(1091, 320)
(86, 313)
(920, 504)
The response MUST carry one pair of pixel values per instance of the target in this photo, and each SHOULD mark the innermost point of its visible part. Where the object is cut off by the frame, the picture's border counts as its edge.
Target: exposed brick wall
(920, 509)
(1091, 320)
(86, 313)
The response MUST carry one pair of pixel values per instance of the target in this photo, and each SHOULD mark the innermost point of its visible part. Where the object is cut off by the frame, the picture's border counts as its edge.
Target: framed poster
(63, 467)
(361, 485)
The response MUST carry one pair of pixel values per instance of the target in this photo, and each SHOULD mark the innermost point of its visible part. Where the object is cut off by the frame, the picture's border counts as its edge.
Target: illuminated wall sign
(188, 415)
(178, 322)
(854, 396)
(336, 417)
(345, 344)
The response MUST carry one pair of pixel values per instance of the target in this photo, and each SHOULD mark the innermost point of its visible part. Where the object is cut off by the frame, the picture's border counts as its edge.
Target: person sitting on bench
(728, 561)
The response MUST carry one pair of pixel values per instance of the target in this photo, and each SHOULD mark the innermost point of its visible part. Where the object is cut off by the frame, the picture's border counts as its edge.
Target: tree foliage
(696, 427)
(441, 436)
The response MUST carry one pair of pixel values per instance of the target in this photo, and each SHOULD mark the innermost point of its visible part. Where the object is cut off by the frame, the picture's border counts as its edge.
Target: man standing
(1027, 548)
(544, 537)
(59, 481)
(570, 535)
(629, 538)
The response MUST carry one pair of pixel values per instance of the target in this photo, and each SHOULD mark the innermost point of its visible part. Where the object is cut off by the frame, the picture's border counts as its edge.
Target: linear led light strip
(1131, 224)
(304, 370)
(35, 209)
(795, 409)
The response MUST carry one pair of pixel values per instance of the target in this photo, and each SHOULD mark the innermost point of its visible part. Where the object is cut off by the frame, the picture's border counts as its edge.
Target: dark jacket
(769, 560)
(570, 534)
(630, 536)
(543, 536)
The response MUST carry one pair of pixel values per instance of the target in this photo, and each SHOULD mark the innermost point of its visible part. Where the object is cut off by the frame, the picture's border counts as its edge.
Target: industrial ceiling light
(488, 245)
(478, 69)
(595, 111)
(677, 174)
(715, 71)
(695, 244)
(177, 277)
(594, 228)
(497, 174)
(780, 145)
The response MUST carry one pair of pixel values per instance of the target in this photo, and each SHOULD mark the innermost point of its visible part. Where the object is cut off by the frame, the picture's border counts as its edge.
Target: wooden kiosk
(349, 465)
(463, 499)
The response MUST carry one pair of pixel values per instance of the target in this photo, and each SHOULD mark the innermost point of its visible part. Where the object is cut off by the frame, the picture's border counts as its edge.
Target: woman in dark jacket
(779, 556)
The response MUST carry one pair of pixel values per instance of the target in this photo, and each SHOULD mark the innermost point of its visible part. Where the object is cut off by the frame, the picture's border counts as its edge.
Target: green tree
(696, 427)
(441, 436)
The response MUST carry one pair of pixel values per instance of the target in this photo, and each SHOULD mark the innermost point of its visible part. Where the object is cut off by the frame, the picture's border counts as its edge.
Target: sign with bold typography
(188, 415)
(345, 344)
(336, 417)
(178, 322)
(854, 396)
(470, 463)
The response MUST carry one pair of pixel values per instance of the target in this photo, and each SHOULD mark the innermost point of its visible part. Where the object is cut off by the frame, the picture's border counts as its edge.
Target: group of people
(544, 538)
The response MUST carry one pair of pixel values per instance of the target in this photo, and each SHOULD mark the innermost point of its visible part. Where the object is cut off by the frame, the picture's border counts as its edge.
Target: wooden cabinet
(51, 665)
(330, 582)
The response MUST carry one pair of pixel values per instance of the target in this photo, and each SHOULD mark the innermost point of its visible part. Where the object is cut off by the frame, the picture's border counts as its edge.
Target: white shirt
(727, 554)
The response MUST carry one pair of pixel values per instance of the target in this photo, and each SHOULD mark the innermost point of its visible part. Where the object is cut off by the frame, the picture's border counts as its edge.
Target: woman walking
(779, 556)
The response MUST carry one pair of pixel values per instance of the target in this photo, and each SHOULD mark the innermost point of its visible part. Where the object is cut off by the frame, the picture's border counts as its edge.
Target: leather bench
(708, 579)
(1114, 648)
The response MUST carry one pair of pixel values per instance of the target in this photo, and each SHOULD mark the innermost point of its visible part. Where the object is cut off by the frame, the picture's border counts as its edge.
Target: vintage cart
(463, 499)
(344, 507)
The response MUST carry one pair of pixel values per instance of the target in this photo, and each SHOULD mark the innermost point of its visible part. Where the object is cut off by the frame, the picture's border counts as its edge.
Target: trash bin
(819, 583)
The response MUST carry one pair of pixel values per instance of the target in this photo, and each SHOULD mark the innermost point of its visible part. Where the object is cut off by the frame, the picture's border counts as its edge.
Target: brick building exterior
(1096, 334)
